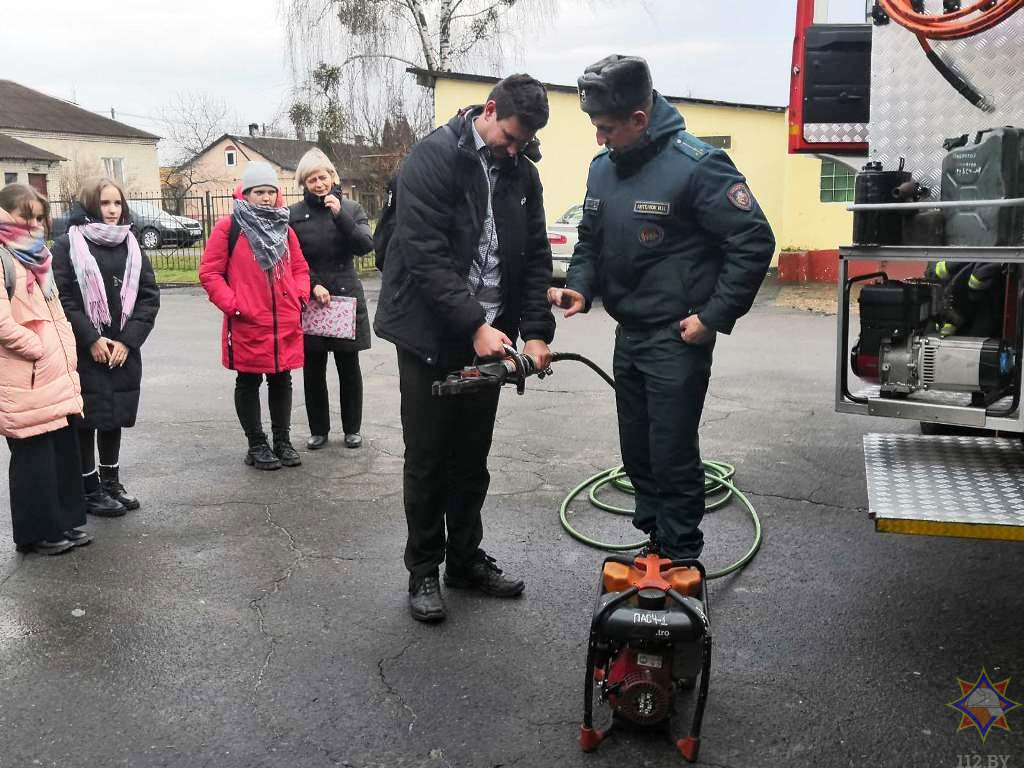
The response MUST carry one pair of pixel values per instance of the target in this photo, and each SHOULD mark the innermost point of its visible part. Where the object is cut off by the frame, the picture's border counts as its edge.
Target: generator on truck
(923, 99)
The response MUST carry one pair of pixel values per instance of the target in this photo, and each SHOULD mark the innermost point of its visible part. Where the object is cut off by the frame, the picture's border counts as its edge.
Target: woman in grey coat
(332, 231)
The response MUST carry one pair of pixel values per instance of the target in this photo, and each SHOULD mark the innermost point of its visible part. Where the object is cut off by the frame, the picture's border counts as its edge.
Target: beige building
(88, 144)
(21, 163)
(803, 197)
(218, 169)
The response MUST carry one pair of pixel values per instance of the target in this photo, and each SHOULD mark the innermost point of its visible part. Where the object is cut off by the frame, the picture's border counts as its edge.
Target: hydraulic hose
(955, 24)
(719, 490)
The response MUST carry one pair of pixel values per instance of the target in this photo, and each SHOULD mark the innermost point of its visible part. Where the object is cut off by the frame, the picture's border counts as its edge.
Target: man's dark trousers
(660, 386)
(447, 440)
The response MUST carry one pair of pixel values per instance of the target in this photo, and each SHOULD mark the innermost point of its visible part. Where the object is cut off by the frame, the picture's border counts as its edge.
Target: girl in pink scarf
(39, 384)
(109, 293)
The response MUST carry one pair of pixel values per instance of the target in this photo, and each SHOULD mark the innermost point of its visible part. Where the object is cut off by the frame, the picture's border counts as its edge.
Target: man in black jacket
(466, 272)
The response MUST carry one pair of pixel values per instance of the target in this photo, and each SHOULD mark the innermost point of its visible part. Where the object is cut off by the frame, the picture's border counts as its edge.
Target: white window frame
(114, 167)
(230, 158)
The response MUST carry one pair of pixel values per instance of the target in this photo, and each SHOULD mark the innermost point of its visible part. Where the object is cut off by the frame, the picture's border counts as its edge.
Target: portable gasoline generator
(650, 641)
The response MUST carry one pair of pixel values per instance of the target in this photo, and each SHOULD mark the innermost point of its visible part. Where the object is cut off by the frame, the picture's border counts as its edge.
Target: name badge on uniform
(652, 207)
(591, 204)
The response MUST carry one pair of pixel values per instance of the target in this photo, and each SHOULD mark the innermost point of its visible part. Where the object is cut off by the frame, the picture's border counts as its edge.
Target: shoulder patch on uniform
(739, 195)
(591, 203)
(690, 145)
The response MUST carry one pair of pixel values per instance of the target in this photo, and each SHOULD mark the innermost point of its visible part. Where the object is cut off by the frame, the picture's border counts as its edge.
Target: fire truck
(923, 100)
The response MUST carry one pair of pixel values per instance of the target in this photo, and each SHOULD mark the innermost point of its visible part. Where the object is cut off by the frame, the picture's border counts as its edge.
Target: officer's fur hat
(615, 85)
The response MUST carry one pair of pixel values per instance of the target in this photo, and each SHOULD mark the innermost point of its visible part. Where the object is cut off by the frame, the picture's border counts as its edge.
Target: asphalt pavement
(243, 618)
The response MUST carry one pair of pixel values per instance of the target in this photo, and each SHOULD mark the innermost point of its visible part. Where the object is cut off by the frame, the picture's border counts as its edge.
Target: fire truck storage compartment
(837, 73)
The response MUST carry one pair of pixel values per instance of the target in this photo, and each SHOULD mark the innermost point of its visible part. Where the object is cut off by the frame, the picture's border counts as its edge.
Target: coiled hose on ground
(719, 490)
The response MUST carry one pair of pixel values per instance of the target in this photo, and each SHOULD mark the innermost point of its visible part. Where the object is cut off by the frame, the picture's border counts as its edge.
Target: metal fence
(174, 230)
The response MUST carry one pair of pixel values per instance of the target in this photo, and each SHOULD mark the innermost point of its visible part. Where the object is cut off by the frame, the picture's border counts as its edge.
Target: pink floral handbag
(335, 321)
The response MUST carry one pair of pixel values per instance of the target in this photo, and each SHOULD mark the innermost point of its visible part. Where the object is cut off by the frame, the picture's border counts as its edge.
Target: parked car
(154, 226)
(562, 235)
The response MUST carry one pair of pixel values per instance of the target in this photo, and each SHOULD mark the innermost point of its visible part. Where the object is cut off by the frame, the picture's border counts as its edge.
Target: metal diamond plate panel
(846, 133)
(977, 480)
(913, 109)
(936, 397)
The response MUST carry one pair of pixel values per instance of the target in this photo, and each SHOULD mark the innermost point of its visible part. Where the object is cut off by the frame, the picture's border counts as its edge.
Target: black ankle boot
(102, 504)
(284, 450)
(287, 454)
(111, 482)
(261, 457)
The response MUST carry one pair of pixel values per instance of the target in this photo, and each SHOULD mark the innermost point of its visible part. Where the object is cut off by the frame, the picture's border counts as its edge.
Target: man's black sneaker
(425, 602)
(261, 457)
(484, 575)
(288, 456)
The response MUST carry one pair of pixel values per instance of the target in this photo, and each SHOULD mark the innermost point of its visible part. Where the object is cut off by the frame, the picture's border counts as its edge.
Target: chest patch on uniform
(739, 195)
(651, 235)
(591, 203)
(652, 207)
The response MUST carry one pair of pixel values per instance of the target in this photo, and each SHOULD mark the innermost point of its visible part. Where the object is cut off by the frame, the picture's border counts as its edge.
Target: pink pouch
(335, 321)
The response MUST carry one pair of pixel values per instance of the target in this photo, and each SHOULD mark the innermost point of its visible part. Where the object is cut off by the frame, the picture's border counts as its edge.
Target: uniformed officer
(676, 245)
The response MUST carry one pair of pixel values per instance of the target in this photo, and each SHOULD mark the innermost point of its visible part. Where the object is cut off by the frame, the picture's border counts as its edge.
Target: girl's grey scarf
(266, 229)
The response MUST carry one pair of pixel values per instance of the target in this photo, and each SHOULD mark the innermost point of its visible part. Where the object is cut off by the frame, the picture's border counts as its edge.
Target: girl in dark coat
(110, 296)
(332, 231)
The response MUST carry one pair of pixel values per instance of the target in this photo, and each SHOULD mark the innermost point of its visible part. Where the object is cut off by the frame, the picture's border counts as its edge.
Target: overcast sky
(135, 56)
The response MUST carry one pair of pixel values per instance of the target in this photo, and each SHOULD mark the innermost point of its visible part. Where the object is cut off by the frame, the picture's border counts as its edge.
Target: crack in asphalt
(256, 604)
(553, 723)
(802, 500)
(708, 421)
(391, 689)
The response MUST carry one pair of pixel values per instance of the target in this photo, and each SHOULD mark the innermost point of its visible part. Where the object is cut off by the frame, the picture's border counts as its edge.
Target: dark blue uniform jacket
(670, 229)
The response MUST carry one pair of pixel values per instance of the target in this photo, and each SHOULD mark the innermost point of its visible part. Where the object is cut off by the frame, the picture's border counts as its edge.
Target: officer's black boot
(425, 601)
(111, 481)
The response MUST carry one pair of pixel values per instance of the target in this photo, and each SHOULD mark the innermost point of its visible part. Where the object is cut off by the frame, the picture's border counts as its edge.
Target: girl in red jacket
(253, 270)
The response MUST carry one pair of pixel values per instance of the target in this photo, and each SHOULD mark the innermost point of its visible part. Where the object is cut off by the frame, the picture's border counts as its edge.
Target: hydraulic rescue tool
(650, 637)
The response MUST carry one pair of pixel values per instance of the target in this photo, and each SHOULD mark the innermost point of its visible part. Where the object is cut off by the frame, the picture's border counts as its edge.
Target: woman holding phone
(332, 230)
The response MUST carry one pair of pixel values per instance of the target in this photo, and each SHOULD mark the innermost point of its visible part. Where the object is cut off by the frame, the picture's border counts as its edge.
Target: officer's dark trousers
(660, 385)
(445, 477)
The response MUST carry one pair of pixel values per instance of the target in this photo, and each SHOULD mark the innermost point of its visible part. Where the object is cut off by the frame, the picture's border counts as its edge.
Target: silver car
(562, 236)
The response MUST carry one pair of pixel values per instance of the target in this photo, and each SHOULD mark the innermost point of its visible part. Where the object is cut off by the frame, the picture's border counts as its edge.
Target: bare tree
(372, 42)
(193, 122)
